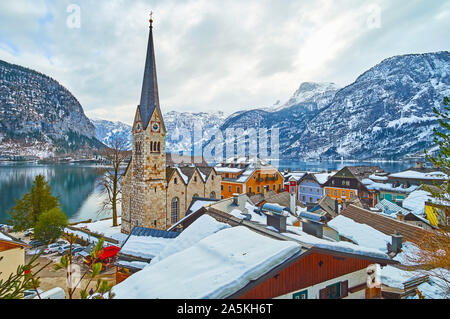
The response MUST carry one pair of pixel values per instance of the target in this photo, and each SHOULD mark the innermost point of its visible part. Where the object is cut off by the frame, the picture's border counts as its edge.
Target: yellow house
(12, 255)
(437, 215)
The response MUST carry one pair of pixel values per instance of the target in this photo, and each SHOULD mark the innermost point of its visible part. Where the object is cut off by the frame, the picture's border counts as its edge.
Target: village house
(248, 175)
(156, 192)
(12, 255)
(310, 187)
(349, 183)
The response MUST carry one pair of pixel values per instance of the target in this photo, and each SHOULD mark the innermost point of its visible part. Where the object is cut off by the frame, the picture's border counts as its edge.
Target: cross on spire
(151, 18)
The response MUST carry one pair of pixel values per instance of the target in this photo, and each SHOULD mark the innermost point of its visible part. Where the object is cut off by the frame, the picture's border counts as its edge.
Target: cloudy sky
(212, 55)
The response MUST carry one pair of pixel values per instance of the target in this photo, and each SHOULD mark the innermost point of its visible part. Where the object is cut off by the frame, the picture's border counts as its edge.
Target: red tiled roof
(383, 224)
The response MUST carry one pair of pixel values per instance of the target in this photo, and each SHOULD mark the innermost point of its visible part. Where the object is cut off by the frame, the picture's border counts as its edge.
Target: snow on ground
(215, 267)
(346, 247)
(203, 227)
(361, 234)
(104, 227)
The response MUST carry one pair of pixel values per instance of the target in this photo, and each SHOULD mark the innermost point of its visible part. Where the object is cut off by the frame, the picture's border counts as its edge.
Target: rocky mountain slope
(180, 129)
(387, 113)
(39, 117)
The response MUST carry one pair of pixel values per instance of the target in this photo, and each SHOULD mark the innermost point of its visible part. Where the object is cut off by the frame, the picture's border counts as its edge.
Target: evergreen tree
(50, 225)
(26, 212)
(442, 159)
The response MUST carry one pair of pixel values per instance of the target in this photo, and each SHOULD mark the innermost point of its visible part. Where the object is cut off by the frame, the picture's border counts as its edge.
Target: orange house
(347, 184)
(248, 177)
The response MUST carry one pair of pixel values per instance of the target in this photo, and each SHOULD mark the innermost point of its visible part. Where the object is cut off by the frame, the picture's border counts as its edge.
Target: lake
(80, 198)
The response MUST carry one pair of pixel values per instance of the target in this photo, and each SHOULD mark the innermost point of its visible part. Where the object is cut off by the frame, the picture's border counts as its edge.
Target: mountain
(180, 129)
(314, 96)
(387, 113)
(107, 131)
(39, 117)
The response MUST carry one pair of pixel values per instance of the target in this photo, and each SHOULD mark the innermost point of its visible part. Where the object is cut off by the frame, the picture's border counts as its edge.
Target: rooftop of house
(362, 172)
(143, 244)
(243, 166)
(384, 224)
(12, 240)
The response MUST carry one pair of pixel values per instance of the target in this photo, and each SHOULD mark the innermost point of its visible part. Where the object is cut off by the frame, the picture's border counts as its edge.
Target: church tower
(144, 183)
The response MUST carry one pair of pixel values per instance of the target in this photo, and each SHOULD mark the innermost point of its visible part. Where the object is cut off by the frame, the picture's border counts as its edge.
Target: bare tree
(116, 154)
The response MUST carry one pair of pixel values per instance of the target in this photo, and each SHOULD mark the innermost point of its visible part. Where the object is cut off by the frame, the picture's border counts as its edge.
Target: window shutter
(324, 293)
(344, 289)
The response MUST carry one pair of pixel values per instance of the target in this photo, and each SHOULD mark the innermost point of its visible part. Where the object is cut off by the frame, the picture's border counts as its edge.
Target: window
(239, 189)
(352, 194)
(212, 177)
(303, 198)
(335, 291)
(300, 295)
(249, 189)
(195, 178)
(229, 189)
(335, 193)
(174, 210)
(328, 192)
(159, 147)
(258, 189)
(175, 181)
(274, 186)
(212, 195)
(310, 200)
(221, 187)
(343, 193)
(151, 146)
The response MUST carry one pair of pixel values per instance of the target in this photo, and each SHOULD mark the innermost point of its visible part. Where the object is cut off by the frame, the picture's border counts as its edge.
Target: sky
(212, 55)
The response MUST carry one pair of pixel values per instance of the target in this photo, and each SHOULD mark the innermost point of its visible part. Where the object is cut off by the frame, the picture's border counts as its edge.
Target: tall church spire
(149, 94)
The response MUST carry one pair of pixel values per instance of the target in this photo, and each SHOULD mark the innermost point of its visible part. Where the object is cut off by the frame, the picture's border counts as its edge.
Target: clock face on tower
(155, 126)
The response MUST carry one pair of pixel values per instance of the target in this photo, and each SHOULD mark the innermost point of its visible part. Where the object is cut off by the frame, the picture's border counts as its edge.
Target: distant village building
(153, 195)
(310, 187)
(247, 175)
(349, 183)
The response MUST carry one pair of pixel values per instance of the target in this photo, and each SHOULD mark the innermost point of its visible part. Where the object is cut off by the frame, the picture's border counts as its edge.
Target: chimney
(400, 217)
(236, 199)
(396, 245)
(278, 221)
(419, 164)
(312, 228)
(336, 207)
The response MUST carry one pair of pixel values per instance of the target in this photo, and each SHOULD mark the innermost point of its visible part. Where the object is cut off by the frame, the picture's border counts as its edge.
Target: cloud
(212, 55)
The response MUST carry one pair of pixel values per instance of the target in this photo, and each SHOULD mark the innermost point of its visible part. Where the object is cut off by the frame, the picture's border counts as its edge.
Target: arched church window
(151, 146)
(212, 195)
(174, 210)
(159, 147)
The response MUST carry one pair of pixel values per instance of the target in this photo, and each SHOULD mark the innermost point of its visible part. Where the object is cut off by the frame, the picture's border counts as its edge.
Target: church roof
(149, 95)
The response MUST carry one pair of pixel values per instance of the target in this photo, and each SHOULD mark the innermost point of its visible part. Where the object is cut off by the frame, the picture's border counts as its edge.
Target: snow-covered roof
(219, 265)
(361, 234)
(183, 176)
(370, 184)
(203, 227)
(4, 237)
(416, 201)
(144, 246)
(228, 170)
(344, 247)
(420, 175)
(389, 207)
(323, 177)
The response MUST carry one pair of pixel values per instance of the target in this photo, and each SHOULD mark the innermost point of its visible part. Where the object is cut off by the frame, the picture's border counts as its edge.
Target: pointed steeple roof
(149, 94)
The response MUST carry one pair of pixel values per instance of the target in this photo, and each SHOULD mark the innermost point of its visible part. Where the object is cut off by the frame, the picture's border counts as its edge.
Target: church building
(155, 195)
